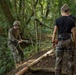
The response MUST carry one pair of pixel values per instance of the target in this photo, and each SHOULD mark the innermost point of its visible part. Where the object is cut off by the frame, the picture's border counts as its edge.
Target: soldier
(14, 40)
(65, 26)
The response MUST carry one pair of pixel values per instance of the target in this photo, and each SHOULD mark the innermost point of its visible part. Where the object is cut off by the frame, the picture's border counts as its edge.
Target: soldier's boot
(22, 61)
(17, 65)
(58, 72)
(21, 56)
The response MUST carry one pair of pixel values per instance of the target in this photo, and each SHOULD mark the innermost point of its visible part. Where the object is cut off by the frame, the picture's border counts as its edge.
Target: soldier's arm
(20, 36)
(74, 34)
(12, 37)
(54, 35)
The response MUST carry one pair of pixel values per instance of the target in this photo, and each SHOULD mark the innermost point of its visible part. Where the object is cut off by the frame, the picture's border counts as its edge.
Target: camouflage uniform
(13, 38)
(66, 46)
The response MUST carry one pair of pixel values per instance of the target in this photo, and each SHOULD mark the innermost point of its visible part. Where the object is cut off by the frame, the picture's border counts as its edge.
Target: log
(45, 70)
(25, 69)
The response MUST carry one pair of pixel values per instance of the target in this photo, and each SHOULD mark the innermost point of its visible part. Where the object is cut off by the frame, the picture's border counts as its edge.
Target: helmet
(16, 23)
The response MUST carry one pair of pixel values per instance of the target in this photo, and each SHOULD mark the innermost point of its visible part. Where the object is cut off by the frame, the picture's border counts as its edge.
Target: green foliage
(27, 12)
(6, 62)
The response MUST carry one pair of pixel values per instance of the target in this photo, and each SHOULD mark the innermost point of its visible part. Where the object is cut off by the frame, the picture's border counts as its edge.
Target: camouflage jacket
(13, 36)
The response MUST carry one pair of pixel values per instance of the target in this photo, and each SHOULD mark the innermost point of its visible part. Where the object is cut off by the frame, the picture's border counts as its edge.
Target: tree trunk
(20, 6)
(60, 4)
(40, 36)
(37, 41)
(15, 8)
(6, 11)
(48, 8)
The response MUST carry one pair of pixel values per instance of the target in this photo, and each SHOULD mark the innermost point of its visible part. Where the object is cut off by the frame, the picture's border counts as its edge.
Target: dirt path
(47, 62)
(27, 61)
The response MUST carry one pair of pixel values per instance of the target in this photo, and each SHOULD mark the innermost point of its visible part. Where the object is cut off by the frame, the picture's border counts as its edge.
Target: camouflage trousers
(17, 53)
(64, 46)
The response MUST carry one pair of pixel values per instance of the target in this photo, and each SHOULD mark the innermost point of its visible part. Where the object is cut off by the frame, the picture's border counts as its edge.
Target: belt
(12, 42)
(64, 36)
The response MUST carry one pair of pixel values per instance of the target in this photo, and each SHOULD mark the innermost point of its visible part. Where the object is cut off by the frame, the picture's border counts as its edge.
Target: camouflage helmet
(16, 23)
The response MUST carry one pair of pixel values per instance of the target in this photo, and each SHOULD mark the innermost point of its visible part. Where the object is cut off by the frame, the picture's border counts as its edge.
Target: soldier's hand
(21, 41)
(26, 41)
(53, 45)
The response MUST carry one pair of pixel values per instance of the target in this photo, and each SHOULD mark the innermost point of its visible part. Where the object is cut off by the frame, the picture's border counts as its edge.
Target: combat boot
(17, 65)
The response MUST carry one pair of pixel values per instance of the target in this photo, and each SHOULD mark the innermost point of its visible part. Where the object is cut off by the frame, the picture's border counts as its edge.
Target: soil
(49, 62)
(46, 62)
(12, 72)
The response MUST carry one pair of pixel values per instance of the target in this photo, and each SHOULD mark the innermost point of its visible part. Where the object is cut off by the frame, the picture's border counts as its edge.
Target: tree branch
(42, 24)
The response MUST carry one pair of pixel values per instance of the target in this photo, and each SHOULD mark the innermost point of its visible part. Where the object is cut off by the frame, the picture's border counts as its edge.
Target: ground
(46, 62)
